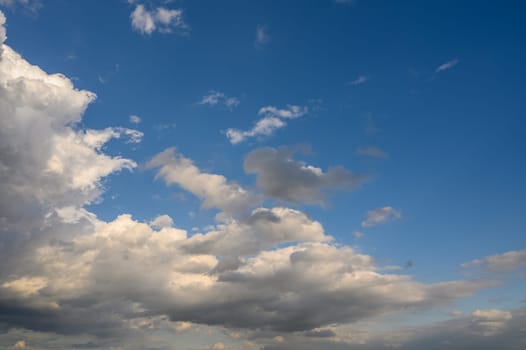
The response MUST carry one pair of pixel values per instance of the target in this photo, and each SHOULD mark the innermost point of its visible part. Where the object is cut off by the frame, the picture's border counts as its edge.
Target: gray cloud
(282, 177)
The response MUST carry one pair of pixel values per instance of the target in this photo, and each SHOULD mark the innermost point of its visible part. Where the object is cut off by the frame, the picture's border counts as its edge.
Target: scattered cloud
(72, 280)
(371, 151)
(447, 65)
(362, 79)
(358, 234)
(380, 216)
(272, 119)
(159, 19)
(262, 37)
(505, 262)
(281, 177)
(214, 98)
(135, 119)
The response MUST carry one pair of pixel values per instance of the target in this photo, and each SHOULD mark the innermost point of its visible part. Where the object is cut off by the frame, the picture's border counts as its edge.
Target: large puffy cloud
(297, 287)
(46, 162)
(264, 228)
(282, 177)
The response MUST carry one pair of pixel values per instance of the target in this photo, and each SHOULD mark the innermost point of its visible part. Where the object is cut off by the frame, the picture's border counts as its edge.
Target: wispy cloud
(504, 262)
(271, 121)
(447, 65)
(159, 19)
(262, 36)
(106, 77)
(214, 98)
(371, 151)
(380, 216)
(362, 79)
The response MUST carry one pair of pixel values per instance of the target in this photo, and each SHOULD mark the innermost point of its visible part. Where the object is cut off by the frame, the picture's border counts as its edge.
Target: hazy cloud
(362, 79)
(447, 65)
(135, 119)
(504, 262)
(380, 216)
(371, 151)
(262, 37)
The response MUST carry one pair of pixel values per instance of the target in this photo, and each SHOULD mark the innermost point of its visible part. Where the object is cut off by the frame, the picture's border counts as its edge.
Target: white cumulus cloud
(159, 19)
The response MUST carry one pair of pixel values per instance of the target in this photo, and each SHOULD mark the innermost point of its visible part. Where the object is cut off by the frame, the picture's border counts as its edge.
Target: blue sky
(395, 128)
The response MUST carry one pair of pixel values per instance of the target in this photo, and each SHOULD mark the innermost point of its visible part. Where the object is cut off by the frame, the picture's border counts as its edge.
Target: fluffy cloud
(281, 177)
(214, 98)
(272, 119)
(214, 190)
(380, 216)
(162, 221)
(505, 262)
(159, 19)
(46, 161)
(300, 287)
